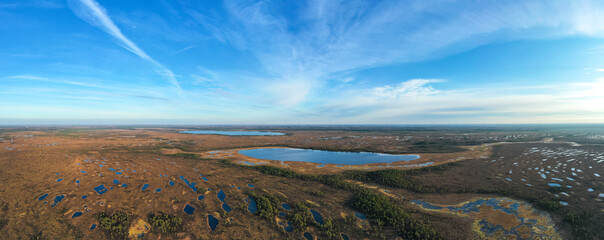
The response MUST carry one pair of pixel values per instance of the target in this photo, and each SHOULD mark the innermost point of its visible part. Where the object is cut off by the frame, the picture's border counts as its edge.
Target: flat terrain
(58, 183)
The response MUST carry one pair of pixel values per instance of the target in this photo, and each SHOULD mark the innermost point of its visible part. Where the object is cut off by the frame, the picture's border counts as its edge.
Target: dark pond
(251, 206)
(317, 216)
(221, 196)
(213, 222)
(92, 227)
(324, 157)
(200, 197)
(42, 197)
(226, 207)
(287, 227)
(189, 209)
(57, 199)
(190, 184)
(344, 236)
(286, 206)
(76, 214)
(360, 215)
(145, 186)
(308, 236)
(100, 189)
(235, 133)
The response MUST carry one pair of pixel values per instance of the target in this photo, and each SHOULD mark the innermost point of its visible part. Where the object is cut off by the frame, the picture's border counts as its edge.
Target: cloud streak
(330, 38)
(93, 13)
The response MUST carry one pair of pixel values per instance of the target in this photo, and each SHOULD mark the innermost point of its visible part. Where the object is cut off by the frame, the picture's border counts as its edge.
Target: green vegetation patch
(268, 206)
(115, 224)
(165, 223)
(186, 155)
(377, 207)
(555, 189)
(300, 217)
(380, 208)
(400, 178)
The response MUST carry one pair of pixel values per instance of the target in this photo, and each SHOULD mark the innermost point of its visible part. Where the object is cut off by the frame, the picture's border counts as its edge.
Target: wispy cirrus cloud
(93, 13)
(45, 79)
(326, 38)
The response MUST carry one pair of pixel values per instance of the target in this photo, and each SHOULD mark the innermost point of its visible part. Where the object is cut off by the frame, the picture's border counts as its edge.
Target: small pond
(190, 184)
(324, 157)
(252, 207)
(57, 199)
(43, 197)
(288, 227)
(308, 236)
(235, 133)
(317, 216)
(360, 215)
(100, 189)
(286, 206)
(189, 209)
(344, 236)
(226, 207)
(213, 222)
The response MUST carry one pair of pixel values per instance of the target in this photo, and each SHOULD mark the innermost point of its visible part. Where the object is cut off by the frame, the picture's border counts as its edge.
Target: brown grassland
(465, 165)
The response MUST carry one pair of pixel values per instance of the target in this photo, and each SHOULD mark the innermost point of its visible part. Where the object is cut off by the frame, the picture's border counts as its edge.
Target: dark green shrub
(115, 224)
(165, 223)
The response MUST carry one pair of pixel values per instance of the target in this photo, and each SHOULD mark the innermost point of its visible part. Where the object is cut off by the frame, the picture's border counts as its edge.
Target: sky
(301, 62)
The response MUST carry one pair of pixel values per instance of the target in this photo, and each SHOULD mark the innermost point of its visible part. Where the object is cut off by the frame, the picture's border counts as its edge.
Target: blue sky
(297, 62)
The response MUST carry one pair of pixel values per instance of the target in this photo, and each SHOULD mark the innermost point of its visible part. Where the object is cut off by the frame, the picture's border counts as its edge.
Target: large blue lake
(235, 133)
(325, 157)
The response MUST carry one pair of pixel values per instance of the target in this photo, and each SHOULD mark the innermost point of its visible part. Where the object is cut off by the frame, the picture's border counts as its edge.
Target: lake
(324, 157)
(235, 133)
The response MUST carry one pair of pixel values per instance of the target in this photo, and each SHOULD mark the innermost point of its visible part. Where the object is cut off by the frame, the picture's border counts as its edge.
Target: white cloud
(410, 88)
(347, 79)
(30, 77)
(200, 80)
(332, 37)
(185, 49)
(289, 93)
(93, 13)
